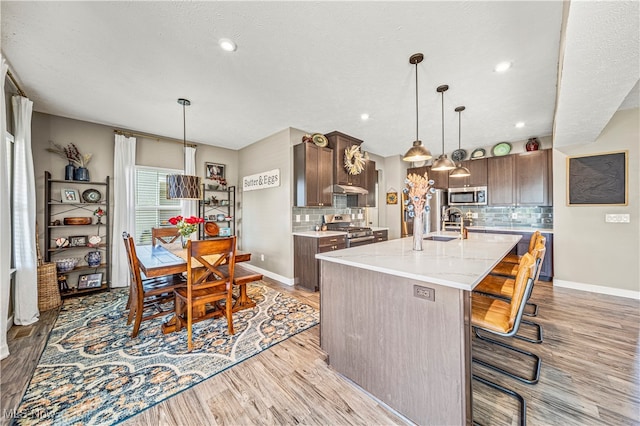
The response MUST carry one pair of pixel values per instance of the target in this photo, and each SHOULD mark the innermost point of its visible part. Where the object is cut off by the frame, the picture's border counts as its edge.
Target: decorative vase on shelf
(82, 174)
(418, 231)
(532, 144)
(69, 171)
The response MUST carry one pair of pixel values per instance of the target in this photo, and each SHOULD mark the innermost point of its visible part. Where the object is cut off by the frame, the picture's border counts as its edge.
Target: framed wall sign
(90, 281)
(597, 179)
(70, 195)
(214, 171)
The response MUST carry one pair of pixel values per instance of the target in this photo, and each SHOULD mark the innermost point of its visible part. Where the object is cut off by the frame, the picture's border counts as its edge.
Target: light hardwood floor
(590, 374)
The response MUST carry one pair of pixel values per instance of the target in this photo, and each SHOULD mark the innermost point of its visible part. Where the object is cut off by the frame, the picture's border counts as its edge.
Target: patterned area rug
(92, 372)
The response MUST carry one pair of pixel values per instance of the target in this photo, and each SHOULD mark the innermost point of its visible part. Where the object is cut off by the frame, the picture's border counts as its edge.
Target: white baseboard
(631, 294)
(272, 275)
(10, 322)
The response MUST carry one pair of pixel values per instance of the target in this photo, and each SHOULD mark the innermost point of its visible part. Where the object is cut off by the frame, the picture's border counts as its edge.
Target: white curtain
(189, 207)
(24, 216)
(124, 205)
(5, 220)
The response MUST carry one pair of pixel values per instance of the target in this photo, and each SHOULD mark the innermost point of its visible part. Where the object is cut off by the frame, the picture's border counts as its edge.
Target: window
(152, 207)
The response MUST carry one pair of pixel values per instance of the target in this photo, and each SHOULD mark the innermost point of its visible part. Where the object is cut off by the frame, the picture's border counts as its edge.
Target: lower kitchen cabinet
(382, 235)
(306, 268)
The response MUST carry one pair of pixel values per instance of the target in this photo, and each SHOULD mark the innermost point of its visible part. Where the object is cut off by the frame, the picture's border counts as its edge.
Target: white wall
(265, 228)
(590, 254)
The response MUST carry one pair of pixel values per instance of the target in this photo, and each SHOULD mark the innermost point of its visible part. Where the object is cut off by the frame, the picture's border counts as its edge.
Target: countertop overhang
(457, 263)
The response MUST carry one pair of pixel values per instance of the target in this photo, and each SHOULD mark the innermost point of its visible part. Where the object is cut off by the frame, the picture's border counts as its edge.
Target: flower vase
(418, 231)
(69, 171)
(185, 239)
(82, 174)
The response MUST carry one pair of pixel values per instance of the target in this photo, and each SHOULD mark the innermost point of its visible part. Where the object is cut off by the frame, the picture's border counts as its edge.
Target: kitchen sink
(440, 238)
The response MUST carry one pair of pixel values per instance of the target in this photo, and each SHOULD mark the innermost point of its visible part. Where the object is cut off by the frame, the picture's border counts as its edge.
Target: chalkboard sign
(597, 179)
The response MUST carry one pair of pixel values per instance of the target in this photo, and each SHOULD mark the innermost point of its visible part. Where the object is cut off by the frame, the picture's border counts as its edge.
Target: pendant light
(459, 171)
(443, 163)
(417, 152)
(183, 187)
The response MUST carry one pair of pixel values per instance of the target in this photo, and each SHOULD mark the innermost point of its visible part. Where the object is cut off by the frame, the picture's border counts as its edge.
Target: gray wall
(590, 254)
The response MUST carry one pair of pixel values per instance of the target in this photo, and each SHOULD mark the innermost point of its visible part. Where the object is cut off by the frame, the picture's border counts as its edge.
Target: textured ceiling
(315, 66)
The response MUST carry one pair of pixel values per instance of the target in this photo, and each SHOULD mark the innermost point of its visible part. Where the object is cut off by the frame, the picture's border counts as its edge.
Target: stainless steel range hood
(349, 189)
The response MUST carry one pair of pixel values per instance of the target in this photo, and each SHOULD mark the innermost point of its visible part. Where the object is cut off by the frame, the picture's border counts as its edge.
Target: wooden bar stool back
(515, 258)
(207, 285)
(147, 293)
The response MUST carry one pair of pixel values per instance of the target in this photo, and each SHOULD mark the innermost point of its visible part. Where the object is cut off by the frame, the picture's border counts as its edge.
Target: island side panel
(409, 352)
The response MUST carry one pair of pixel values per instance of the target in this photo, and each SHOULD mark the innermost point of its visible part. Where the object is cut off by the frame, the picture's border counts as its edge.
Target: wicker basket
(48, 291)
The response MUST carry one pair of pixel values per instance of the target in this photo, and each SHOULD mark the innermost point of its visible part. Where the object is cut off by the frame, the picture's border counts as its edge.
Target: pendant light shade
(184, 186)
(459, 171)
(443, 163)
(417, 152)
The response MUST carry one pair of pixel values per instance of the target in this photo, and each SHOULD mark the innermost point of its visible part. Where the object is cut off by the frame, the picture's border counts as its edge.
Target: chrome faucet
(445, 219)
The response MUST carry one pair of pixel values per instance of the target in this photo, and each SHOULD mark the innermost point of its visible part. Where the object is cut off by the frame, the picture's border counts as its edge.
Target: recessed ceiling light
(227, 45)
(520, 124)
(364, 117)
(502, 67)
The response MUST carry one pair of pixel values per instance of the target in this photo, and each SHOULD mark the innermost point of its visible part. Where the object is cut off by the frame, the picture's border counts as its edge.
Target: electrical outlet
(424, 293)
(617, 218)
(474, 215)
(262, 257)
(297, 218)
(514, 215)
(306, 218)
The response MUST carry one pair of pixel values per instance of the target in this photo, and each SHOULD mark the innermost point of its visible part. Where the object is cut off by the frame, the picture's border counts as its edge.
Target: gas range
(356, 235)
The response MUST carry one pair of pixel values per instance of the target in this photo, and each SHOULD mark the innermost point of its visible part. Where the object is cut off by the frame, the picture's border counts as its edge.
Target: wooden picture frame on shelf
(86, 281)
(214, 171)
(69, 195)
(598, 179)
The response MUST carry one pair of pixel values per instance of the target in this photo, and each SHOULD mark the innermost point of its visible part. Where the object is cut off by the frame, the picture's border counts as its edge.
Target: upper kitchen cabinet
(533, 178)
(339, 142)
(501, 172)
(371, 178)
(520, 180)
(313, 174)
(441, 178)
(478, 177)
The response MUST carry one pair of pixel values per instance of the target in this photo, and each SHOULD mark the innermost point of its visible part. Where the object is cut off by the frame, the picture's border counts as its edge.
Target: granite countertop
(318, 234)
(514, 228)
(456, 263)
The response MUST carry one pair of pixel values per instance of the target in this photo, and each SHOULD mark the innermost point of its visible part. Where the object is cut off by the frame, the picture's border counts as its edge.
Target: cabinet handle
(333, 240)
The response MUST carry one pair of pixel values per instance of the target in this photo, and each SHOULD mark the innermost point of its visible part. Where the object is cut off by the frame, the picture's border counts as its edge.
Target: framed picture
(90, 281)
(78, 241)
(392, 198)
(597, 179)
(214, 171)
(70, 195)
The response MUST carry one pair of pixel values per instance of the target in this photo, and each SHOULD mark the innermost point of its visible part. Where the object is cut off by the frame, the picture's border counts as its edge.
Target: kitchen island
(396, 321)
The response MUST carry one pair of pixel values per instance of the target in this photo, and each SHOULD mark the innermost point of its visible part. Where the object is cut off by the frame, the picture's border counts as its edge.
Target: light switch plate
(617, 218)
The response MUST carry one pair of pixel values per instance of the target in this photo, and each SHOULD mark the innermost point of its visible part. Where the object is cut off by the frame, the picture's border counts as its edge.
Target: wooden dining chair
(147, 293)
(164, 236)
(207, 284)
(502, 318)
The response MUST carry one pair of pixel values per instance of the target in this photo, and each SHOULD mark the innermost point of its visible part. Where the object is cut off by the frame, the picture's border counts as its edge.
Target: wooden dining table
(158, 260)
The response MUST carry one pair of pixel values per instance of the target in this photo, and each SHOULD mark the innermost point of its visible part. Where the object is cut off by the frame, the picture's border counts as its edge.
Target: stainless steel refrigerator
(433, 218)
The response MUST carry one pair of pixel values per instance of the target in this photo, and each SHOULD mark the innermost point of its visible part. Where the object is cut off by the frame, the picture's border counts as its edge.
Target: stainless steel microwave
(469, 196)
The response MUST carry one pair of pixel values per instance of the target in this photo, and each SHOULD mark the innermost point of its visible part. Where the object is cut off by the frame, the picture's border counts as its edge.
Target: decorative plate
(478, 153)
(503, 148)
(91, 196)
(94, 240)
(320, 140)
(459, 155)
(211, 229)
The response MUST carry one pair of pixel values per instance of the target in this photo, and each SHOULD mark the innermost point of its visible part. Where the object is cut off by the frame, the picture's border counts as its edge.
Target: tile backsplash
(539, 217)
(316, 213)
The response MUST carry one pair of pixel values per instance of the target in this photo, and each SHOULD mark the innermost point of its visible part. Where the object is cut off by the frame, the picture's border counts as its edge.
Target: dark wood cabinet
(339, 142)
(501, 173)
(371, 178)
(441, 178)
(478, 177)
(533, 183)
(381, 235)
(520, 179)
(313, 175)
(306, 268)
